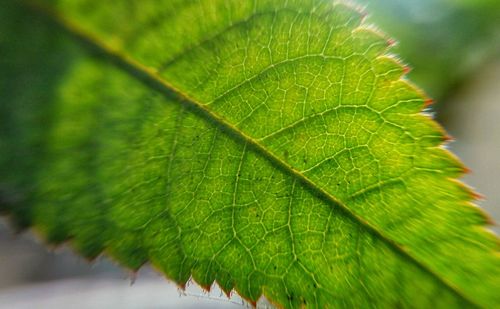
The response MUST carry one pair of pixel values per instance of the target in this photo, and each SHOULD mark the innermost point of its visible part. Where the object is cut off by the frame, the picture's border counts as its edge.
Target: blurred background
(453, 47)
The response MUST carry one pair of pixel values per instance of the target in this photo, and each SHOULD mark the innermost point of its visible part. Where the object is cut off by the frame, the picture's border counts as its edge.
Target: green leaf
(272, 146)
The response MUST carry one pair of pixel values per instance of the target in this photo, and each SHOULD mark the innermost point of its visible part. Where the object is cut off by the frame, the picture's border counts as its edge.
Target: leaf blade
(202, 273)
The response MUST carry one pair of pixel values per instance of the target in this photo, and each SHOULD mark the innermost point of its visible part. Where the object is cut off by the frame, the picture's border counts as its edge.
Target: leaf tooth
(406, 69)
(206, 287)
(227, 291)
(477, 196)
(448, 138)
(354, 7)
(349, 8)
(370, 39)
(466, 170)
(392, 42)
(428, 102)
(390, 66)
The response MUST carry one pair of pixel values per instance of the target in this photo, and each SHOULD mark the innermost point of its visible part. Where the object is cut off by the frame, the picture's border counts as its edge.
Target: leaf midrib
(150, 78)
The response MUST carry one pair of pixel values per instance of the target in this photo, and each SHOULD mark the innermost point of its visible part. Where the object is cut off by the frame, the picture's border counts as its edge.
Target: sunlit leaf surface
(272, 146)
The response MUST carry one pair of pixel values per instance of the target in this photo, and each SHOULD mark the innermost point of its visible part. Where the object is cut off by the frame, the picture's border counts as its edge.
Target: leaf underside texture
(272, 146)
